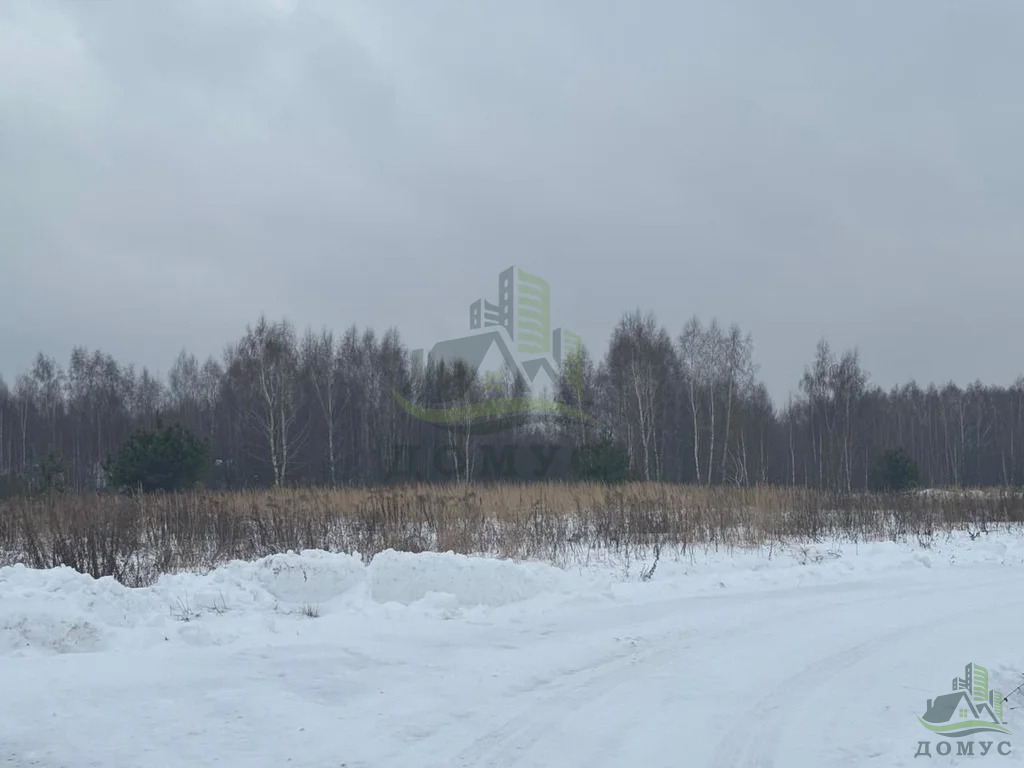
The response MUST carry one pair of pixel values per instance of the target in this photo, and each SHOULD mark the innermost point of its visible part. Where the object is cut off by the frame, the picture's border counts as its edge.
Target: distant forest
(284, 408)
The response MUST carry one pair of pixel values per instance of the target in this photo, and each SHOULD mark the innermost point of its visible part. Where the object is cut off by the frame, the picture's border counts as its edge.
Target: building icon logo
(524, 312)
(510, 339)
(972, 707)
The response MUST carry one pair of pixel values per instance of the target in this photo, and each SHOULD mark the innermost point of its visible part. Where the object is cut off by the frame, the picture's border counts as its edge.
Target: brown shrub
(134, 539)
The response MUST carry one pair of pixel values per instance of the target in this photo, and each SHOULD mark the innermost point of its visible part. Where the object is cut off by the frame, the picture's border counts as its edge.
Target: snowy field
(806, 655)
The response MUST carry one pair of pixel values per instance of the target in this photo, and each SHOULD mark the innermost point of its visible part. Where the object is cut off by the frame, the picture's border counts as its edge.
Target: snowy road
(728, 665)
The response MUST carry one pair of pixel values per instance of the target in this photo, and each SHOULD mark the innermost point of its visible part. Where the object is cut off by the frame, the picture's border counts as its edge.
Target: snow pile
(309, 577)
(63, 611)
(404, 577)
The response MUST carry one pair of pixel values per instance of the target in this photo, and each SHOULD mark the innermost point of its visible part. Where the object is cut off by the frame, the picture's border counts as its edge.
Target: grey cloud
(172, 170)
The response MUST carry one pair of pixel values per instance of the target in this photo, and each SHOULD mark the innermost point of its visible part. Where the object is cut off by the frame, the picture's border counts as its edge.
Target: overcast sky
(171, 169)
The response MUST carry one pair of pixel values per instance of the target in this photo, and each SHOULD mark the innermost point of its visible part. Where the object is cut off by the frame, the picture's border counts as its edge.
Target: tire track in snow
(757, 747)
(508, 743)
(505, 744)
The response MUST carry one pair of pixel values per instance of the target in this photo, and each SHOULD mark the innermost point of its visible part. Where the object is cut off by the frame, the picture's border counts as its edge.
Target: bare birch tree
(321, 367)
(264, 367)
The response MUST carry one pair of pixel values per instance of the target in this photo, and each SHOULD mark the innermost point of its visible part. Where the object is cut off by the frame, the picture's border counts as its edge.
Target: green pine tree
(53, 474)
(603, 461)
(894, 470)
(169, 458)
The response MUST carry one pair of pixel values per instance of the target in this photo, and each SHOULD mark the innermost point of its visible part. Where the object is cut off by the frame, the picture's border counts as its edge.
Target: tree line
(284, 408)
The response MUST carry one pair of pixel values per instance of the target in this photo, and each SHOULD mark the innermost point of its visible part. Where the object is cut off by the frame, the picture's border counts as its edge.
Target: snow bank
(63, 611)
(309, 577)
(404, 577)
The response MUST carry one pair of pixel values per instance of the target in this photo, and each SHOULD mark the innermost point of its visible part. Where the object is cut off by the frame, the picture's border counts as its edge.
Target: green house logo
(972, 707)
(508, 339)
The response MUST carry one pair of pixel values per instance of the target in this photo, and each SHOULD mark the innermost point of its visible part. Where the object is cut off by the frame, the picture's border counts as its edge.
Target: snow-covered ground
(805, 655)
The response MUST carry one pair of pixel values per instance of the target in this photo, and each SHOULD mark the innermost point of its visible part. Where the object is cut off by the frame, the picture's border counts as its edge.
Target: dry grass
(134, 539)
